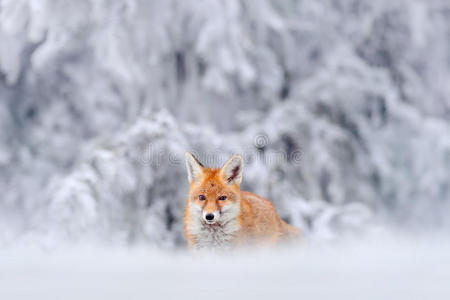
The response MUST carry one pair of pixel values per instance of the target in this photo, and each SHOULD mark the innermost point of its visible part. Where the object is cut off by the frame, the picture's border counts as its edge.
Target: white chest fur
(218, 235)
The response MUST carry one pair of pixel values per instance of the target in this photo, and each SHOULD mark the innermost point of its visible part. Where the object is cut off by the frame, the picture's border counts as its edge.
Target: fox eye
(222, 198)
(201, 197)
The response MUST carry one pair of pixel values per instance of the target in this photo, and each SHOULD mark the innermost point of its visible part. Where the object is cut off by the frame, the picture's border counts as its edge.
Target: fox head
(214, 194)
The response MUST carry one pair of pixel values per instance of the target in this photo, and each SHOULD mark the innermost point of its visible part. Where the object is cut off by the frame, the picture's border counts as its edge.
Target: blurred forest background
(341, 109)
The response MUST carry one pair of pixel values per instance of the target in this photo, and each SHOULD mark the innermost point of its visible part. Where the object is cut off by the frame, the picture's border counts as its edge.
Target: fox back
(219, 215)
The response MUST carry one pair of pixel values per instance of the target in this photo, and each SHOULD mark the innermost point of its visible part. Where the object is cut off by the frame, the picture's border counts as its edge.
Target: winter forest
(340, 108)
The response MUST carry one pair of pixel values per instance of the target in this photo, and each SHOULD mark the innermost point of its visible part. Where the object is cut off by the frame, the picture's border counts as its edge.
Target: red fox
(219, 215)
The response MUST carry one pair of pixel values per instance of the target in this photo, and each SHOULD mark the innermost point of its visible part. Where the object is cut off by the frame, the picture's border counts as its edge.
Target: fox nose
(209, 217)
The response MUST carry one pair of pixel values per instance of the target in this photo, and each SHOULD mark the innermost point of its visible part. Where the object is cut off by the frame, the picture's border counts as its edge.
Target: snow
(340, 109)
(383, 268)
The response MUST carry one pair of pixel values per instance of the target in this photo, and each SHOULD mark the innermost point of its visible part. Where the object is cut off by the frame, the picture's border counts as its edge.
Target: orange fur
(247, 218)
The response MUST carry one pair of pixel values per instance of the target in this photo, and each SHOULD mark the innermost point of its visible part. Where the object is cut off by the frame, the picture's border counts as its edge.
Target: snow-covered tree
(340, 108)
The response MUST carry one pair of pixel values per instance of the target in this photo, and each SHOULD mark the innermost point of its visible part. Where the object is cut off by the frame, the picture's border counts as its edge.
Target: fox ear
(194, 168)
(232, 170)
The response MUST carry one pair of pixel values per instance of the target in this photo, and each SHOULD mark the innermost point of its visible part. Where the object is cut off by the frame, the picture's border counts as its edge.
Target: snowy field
(372, 269)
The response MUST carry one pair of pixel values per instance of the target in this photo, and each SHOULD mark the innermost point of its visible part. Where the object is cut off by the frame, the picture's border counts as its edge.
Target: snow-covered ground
(392, 268)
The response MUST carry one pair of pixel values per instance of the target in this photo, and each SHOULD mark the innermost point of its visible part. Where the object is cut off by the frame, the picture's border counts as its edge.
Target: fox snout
(211, 217)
